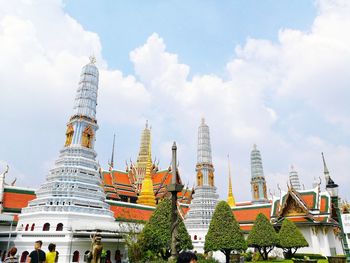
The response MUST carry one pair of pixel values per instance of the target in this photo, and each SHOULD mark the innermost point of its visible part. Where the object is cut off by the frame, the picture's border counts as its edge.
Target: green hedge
(309, 255)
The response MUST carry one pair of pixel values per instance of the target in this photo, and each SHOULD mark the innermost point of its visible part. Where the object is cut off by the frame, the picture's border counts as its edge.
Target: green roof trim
(19, 191)
(129, 205)
(327, 202)
(275, 206)
(127, 185)
(252, 207)
(122, 219)
(12, 210)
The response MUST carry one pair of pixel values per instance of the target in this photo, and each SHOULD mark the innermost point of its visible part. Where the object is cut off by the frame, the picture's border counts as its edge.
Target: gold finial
(230, 199)
(92, 59)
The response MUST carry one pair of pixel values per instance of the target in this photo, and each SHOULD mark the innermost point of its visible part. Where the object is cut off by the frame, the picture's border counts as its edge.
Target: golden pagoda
(145, 149)
(147, 196)
(230, 199)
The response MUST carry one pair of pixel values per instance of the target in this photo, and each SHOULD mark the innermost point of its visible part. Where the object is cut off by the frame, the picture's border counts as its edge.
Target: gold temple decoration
(230, 199)
(264, 190)
(69, 135)
(292, 207)
(211, 178)
(144, 153)
(199, 178)
(256, 191)
(88, 135)
(147, 196)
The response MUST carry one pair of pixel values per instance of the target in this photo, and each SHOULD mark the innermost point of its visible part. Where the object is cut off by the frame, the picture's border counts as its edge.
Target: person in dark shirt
(37, 255)
(187, 257)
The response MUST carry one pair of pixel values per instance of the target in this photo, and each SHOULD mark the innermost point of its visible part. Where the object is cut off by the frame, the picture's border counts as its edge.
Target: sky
(274, 73)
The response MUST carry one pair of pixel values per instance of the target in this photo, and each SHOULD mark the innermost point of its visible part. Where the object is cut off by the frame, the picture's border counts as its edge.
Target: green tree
(263, 236)
(156, 235)
(290, 238)
(224, 233)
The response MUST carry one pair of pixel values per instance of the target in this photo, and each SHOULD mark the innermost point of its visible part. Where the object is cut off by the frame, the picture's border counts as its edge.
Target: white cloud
(264, 81)
(284, 96)
(42, 51)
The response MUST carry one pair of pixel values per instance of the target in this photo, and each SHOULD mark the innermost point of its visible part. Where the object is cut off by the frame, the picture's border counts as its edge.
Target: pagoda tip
(92, 59)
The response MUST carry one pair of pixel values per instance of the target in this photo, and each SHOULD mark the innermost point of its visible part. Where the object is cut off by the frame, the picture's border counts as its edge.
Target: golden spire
(147, 196)
(230, 199)
(145, 150)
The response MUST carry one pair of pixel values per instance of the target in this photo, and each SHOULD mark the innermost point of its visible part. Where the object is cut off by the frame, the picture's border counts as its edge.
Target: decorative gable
(292, 208)
(293, 205)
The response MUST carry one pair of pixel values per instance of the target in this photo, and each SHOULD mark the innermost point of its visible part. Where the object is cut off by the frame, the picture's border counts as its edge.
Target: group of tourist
(36, 256)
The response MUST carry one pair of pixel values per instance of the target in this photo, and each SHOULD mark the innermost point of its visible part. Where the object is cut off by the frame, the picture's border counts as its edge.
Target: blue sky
(274, 73)
(202, 33)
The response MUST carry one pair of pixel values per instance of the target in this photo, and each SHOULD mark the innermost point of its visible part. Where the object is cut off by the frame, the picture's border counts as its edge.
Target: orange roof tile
(121, 177)
(131, 212)
(107, 178)
(249, 213)
(309, 199)
(246, 227)
(16, 199)
(324, 206)
(127, 193)
(160, 175)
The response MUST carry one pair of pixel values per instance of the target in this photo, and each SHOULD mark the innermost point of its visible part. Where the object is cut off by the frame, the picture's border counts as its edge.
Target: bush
(134, 252)
(156, 235)
(309, 255)
(257, 257)
(263, 236)
(224, 233)
(200, 256)
(209, 260)
(290, 239)
(248, 256)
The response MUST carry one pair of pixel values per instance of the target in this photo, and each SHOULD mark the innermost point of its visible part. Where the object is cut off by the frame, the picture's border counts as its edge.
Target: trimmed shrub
(224, 233)
(263, 236)
(290, 239)
(156, 235)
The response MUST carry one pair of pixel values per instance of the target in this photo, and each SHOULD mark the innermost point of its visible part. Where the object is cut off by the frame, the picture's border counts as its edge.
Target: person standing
(52, 255)
(37, 255)
(12, 256)
(187, 257)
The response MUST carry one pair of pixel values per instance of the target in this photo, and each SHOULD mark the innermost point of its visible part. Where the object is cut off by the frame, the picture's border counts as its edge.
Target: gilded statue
(87, 137)
(69, 135)
(211, 178)
(265, 192)
(256, 191)
(199, 178)
(96, 248)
